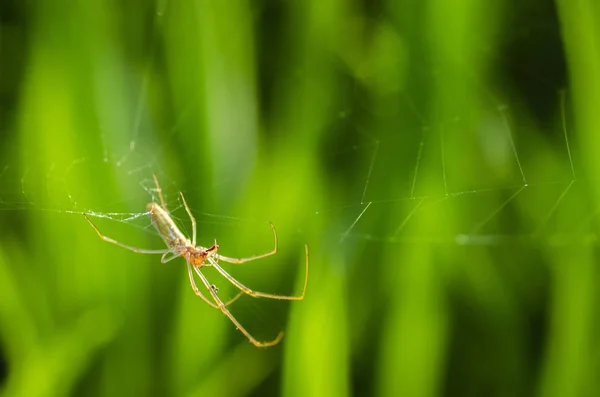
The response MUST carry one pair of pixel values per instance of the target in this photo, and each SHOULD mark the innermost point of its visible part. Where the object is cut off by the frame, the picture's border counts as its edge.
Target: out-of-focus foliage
(436, 156)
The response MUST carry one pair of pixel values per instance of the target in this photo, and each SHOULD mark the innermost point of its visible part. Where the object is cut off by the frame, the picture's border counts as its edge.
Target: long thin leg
(129, 247)
(191, 218)
(165, 258)
(205, 299)
(252, 258)
(160, 195)
(256, 294)
(226, 312)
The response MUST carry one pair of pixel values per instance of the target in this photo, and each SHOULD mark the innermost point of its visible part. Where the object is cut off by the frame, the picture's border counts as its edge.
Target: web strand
(347, 232)
(416, 171)
(362, 200)
(496, 211)
(564, 126)
(554, 208)
(512, 142)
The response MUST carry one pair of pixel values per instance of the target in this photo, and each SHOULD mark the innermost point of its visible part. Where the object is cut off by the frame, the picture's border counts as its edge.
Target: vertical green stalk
(569, 367)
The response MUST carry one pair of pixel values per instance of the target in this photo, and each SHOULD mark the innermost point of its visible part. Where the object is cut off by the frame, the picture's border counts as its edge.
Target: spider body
(174, 238)
(196, 257)
(166, 228)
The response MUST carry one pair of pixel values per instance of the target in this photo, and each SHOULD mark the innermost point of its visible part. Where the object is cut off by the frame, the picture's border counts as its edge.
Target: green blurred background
(438, 157)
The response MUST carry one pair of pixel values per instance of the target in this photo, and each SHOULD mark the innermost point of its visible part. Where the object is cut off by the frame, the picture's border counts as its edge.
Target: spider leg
(129, 247)
(222, 307)
(160, 195)
(252, 258)
(257, 294)
(205, 299)
(192, 219)
(165, 259)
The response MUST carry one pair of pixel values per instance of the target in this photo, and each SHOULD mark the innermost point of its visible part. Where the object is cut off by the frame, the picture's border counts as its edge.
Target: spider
(197, 257)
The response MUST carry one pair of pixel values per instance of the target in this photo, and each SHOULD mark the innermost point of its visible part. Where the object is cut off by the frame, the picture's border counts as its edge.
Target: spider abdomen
(165, 227)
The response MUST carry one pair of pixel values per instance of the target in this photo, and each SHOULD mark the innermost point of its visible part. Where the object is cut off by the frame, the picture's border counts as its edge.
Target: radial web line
(564, 125)
(416, 172)
(362, 199)
(408, 217)
(443, 160)
(497, 210)
(553, 209)
(138, 119)
(512, 143)
(347, 232)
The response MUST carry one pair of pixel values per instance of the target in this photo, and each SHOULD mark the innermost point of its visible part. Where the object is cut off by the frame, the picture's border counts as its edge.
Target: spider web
(430, 169)
(130, 141)
(459, 187)
(52, 187)
(494, 175)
